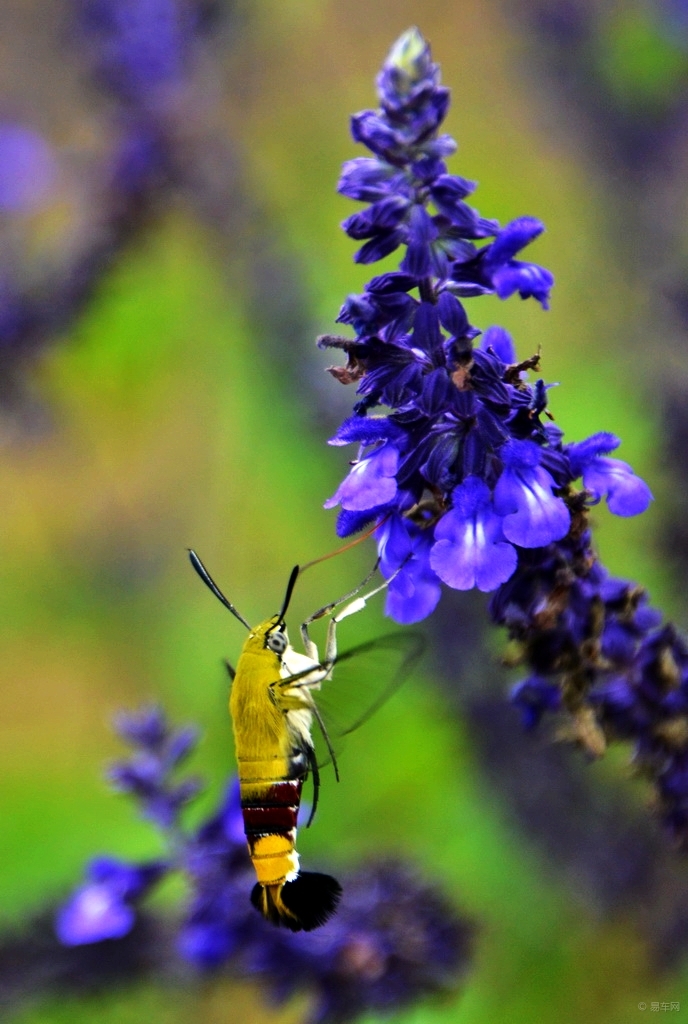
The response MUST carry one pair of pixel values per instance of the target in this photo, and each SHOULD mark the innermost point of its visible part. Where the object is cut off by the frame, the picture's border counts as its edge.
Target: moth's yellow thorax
(259, 726)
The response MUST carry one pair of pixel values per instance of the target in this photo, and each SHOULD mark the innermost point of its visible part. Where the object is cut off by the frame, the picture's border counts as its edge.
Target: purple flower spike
(533, 516)
(415, 590)
(626, 493)
(371, 481)
(470, 550)
(159, 750)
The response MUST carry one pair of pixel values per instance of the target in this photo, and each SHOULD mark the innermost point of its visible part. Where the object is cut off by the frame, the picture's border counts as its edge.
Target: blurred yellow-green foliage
(171, 423)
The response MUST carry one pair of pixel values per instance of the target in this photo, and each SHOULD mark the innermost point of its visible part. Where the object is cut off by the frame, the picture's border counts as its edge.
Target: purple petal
(393, 544)
(206, 943)
(475, 561)
(371, 482)
(627, 494)
(582, 452)
(415, 604)
(415, 590)
(470, 550)
(363, 430)
(379, 247)
(528, 279)
(533, 516)
(127, 881)
(513, 237)
(353, 522)
(533, 697)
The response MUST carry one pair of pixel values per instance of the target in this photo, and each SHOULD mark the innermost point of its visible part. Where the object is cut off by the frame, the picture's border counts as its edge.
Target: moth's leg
(309, 646)
(292, 695)
(350, 609)
(231, 671)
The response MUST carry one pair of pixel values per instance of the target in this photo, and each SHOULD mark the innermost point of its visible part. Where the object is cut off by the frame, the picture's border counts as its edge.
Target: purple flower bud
(374, 132)
(379, 218)
(452, 315)
(366, 179)
(421, 233)
(181, 744)
(380, 246)
(408, 72)
(500, 341)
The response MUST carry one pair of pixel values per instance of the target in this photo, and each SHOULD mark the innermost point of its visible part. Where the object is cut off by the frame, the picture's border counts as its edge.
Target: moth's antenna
(290, 590)
(212, 585)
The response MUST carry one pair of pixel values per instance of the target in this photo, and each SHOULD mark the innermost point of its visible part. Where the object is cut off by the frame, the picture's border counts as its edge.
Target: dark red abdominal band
(274, 812)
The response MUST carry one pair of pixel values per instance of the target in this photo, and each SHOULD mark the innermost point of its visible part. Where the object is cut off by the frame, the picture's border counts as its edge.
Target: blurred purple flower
(103, 908)
(139, 48)
(394, 940)
(28, 168)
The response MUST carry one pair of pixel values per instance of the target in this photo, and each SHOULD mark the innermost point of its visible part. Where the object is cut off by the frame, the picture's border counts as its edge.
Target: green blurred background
(171, 416)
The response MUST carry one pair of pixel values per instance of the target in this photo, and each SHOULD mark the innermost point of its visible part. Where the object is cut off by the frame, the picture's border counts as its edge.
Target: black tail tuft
(311, 898)
(301, 905)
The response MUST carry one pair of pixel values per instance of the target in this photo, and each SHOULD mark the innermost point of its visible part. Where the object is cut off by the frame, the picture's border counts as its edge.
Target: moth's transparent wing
(365, 677)
(362, 680)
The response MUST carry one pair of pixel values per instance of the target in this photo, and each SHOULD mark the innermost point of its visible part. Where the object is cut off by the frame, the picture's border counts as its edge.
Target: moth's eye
(277, 642)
